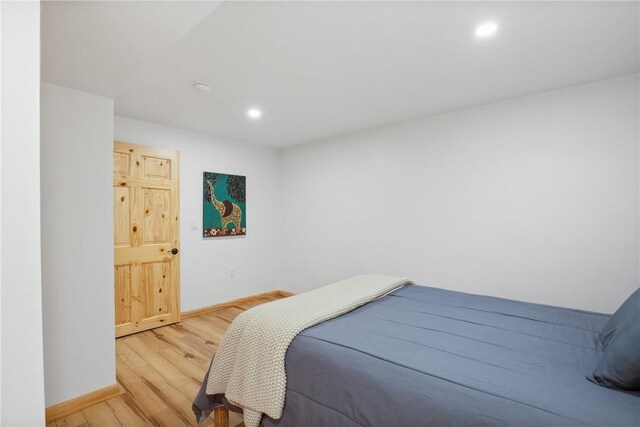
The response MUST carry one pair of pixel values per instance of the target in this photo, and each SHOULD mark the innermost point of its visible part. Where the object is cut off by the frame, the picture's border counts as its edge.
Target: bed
(424, 356)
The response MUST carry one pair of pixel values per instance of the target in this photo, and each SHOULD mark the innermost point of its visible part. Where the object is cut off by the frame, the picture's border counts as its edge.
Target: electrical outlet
(231, 273)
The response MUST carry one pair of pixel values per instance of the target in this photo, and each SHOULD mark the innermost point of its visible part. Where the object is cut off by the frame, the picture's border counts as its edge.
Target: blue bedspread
(429, 357)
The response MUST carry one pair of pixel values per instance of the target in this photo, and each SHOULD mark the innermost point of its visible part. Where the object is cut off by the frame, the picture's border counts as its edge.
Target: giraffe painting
(224, 205)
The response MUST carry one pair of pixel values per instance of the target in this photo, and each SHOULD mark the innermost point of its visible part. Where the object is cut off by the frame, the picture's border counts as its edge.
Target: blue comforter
(429, 357)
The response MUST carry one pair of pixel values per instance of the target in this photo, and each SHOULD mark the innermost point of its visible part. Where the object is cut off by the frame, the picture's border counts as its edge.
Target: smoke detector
(202, 86)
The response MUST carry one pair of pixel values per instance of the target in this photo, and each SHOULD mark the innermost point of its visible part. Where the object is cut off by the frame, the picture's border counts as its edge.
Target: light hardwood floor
(161, 371)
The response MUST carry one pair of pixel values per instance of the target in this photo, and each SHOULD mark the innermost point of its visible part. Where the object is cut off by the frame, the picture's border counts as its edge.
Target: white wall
(534, 198)
(22, 366)
(1, 118)
(77, 242)
(204, 263)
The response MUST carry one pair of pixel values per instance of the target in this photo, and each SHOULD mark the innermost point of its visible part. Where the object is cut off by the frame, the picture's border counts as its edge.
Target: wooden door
(146, 237)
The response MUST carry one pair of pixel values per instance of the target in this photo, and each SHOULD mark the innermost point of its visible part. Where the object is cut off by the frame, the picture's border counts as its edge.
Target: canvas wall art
(224, 206)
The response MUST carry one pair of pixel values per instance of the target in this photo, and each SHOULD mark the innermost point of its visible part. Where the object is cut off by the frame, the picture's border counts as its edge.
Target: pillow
(620, 363)
(622, 315)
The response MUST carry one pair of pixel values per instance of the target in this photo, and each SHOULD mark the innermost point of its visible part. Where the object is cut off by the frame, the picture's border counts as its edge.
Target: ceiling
(319, 69)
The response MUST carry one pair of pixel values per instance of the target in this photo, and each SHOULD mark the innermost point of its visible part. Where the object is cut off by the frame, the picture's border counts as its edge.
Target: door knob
(174, 251)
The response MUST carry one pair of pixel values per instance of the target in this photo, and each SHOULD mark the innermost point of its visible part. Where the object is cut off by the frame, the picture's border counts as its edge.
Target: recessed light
(486, 29)
(202, 86)
(254, 113)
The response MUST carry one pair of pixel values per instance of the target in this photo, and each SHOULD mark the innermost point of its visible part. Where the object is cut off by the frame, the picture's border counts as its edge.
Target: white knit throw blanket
(248, 367)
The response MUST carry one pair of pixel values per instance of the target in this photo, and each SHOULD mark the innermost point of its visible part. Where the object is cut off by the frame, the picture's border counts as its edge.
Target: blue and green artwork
(224, 205)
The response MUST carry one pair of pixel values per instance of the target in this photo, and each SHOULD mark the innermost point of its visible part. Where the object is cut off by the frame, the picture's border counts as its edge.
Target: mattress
(429, 357)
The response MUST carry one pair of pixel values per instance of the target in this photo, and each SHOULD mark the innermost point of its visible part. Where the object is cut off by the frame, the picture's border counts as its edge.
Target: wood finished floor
(161, 371)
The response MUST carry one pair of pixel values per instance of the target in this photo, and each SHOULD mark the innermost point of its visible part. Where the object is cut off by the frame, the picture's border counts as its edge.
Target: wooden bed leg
(221, 417)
